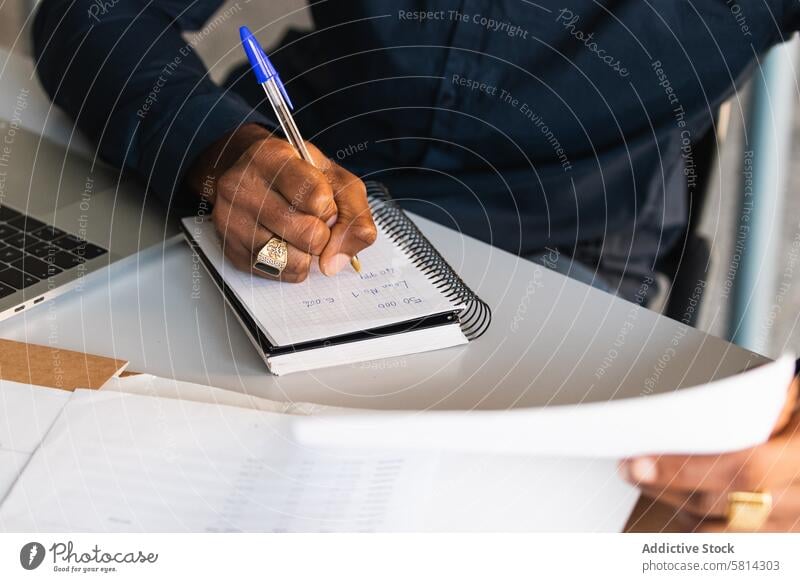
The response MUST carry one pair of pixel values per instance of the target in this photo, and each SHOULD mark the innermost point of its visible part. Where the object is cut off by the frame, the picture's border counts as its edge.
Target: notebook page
(128, 463)
(390, 289)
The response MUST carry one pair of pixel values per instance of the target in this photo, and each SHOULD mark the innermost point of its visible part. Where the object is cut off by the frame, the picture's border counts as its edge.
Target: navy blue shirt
(526, 124)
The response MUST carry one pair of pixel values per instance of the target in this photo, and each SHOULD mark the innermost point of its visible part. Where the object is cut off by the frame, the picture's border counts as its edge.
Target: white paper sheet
(726, 415)
(149, 385)
(468, 492)
(26, 414)
(177, 474)
(124, 462)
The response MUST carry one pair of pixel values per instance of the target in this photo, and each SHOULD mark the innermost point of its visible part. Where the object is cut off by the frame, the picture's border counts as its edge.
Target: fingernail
(336, 264)
(642, 470)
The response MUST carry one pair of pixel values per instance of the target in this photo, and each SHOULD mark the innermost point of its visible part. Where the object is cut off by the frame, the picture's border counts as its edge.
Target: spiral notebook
(406, 300)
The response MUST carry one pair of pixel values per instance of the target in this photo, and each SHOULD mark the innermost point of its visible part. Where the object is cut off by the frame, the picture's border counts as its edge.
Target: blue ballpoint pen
(268, 78)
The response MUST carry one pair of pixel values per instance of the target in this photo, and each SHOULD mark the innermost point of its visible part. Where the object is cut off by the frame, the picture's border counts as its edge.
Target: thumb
(353, 231)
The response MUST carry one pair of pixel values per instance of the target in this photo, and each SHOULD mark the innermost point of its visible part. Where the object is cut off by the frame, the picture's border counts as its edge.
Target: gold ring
(272, 257)
(748, 510)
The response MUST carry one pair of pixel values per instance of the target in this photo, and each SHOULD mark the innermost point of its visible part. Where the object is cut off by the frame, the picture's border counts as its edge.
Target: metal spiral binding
(475, 315)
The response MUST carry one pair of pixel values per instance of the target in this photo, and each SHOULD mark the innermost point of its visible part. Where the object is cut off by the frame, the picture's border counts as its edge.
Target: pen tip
(356, 264)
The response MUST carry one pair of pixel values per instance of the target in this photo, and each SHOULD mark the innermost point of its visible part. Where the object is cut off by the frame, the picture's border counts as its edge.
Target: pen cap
(260, 63)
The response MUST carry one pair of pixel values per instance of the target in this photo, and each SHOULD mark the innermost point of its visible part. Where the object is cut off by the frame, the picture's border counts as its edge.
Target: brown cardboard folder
(55, 367)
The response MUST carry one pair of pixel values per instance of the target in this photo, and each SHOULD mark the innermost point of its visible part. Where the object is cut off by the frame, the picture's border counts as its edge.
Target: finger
(231, 226)
(772, 464)
(241, 247)
(224, 218)
(239, 256)
(702, 472)
(306, 189)
(304, 231)
(354, 229)
(254, 205)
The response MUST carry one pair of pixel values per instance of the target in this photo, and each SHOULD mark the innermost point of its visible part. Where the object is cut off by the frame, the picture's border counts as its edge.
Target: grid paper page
(389, 289)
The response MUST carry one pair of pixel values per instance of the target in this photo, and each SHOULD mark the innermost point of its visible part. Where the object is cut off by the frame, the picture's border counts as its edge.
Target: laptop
(63, 217)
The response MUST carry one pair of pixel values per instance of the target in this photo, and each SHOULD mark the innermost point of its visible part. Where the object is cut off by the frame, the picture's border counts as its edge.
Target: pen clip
(282, 88)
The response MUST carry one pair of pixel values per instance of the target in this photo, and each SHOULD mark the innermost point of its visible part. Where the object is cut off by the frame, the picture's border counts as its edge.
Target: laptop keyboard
(31, 251)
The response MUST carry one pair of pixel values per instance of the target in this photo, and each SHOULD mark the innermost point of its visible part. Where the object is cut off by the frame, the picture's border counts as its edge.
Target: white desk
(553, 341)
(148, 314)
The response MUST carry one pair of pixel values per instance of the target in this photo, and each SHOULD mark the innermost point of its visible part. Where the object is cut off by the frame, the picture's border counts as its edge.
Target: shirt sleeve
(124, 72)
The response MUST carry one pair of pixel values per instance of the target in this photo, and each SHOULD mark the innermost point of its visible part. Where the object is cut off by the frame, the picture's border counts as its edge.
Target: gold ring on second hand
(748, 510)
(272, 257)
